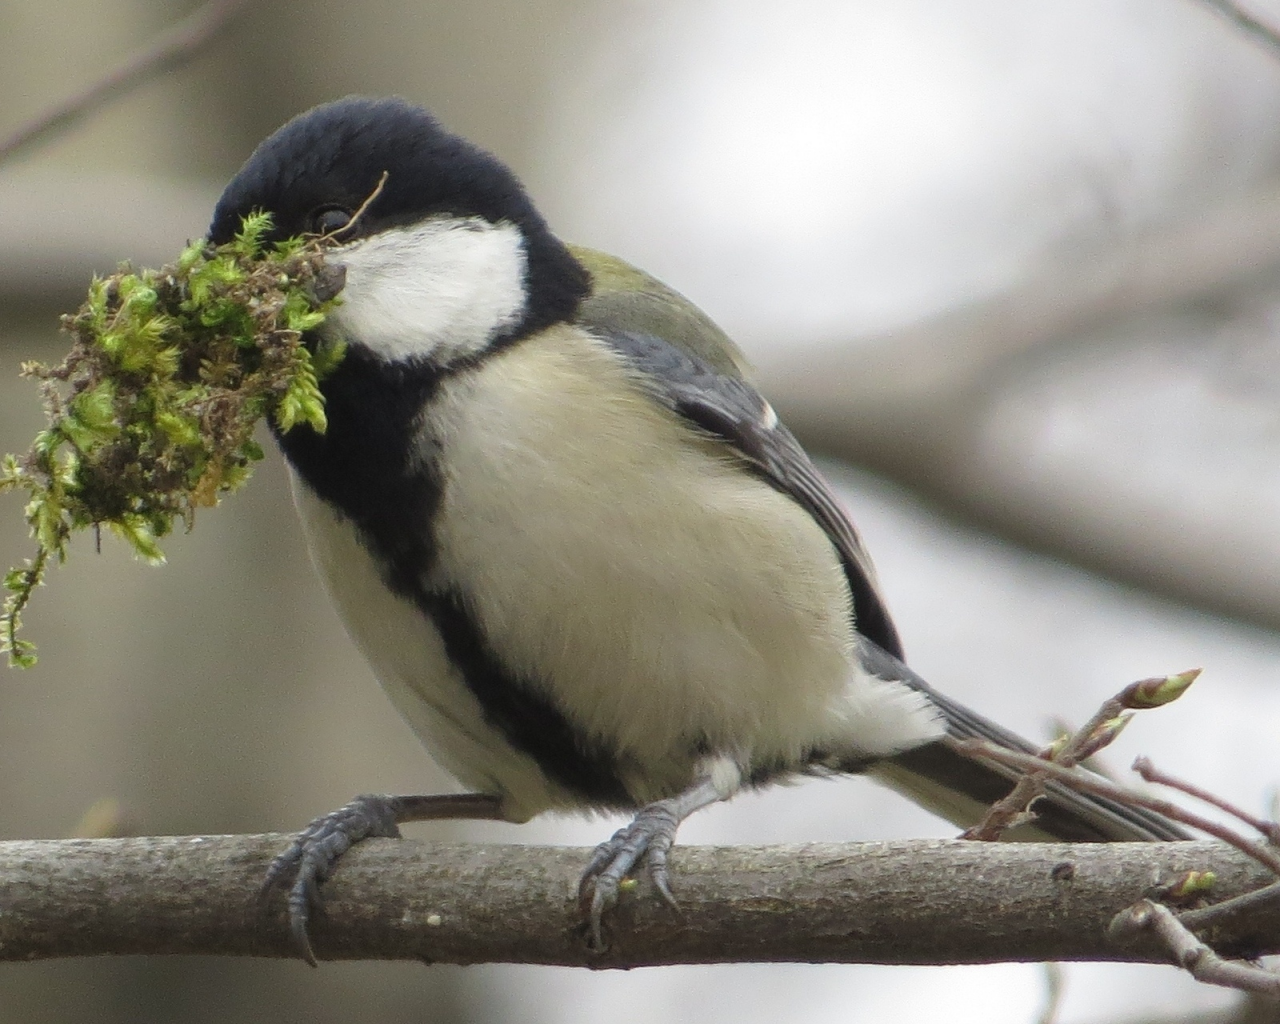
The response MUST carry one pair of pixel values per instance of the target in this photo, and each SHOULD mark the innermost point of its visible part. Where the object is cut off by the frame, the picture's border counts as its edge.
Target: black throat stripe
(365, 466)
(360, 465)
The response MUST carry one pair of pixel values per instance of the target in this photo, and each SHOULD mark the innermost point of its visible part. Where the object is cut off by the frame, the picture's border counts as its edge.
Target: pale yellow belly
(666, 599)
(668, 604)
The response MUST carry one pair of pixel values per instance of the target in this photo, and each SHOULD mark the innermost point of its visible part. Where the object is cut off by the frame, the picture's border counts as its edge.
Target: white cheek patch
(437, 290)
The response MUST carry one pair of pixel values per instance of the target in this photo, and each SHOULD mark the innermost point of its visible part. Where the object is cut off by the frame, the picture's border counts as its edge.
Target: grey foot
(316, 851)
(647, 838)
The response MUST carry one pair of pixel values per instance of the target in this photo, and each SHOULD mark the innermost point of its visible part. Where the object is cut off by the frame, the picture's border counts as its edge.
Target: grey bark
(911, 902)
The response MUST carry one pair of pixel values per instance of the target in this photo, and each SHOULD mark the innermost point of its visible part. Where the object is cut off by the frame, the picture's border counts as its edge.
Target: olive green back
(624, 298)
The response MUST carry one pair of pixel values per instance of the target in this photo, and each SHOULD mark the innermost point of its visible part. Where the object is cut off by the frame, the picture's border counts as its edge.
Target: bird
(582, 555)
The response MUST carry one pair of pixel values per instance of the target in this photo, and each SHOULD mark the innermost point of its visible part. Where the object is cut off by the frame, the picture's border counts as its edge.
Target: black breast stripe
(530, 722)
(365, 466)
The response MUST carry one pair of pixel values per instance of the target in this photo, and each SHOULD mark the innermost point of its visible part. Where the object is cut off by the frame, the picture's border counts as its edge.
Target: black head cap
(332, 157)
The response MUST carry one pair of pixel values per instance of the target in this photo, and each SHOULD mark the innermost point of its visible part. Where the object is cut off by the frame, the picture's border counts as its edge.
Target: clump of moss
(152, 413)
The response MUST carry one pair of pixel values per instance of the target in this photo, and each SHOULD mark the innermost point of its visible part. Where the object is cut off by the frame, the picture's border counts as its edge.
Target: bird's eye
(329, 219)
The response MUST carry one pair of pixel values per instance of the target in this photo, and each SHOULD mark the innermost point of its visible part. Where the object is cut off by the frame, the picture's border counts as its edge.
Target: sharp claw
(298, 926)
(661, 876)
(313, 855)
(647, 838)
(658, 867)
(601, 901)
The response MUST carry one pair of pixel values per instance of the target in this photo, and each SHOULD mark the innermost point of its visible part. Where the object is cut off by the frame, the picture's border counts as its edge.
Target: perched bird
(586, 561)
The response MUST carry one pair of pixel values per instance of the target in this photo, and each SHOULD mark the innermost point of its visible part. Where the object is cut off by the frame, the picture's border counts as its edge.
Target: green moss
(152, 413)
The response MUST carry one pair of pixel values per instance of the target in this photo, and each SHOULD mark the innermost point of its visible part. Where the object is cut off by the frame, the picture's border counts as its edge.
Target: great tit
(586, 561)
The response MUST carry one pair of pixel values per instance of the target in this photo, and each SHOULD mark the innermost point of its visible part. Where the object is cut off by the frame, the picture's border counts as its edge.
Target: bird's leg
(649, 836)
(315, 852)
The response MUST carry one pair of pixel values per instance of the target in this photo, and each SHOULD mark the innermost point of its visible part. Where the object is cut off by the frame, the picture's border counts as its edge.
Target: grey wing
(729, 408)
(734, 411)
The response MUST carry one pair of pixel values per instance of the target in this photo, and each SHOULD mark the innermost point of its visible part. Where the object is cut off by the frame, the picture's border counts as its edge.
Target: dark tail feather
(960, 788)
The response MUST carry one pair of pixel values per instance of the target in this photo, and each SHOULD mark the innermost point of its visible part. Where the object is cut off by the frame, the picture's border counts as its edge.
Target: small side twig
(169, 50)
(1150, 773)
(1228, 912)
(1201, 962)
(1097, 733)
(1009, 811)
(1086, 783)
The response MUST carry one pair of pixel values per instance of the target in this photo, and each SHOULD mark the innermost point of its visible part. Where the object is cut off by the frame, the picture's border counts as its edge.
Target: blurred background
(1011, 266)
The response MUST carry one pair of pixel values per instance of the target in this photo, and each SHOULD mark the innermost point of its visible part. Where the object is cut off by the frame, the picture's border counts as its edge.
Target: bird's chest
(667, 601)
(593, 589)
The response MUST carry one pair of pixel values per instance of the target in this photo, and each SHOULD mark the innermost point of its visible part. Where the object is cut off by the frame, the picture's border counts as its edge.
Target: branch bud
(1158, 691)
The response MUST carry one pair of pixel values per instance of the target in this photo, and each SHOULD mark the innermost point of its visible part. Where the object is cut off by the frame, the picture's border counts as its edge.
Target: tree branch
(918, 902)
(169, 50)
(1201, 962)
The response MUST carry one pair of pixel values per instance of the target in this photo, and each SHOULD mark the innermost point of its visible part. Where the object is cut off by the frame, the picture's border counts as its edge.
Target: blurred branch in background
(169, 50)
(1247, 22)
(906, 902)
(884, 386)
(914, 404)
(61, 228)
